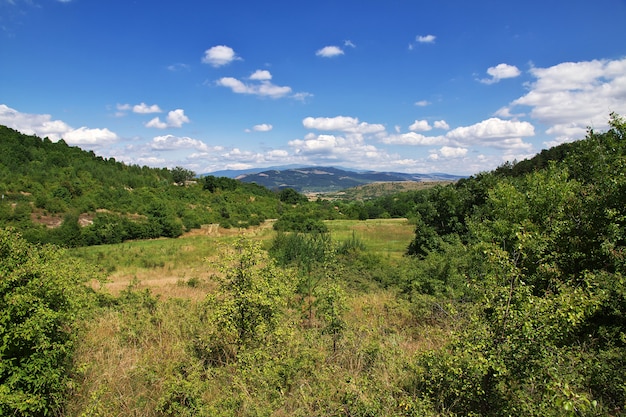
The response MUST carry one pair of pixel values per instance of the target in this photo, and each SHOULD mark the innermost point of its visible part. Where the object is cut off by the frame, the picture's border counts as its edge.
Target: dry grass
(132, 356)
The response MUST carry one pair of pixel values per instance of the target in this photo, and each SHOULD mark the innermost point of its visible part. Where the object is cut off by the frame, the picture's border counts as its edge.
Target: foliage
(180, 175)
(543, 261)
(250, 300)
(291, 196)
(43, 297)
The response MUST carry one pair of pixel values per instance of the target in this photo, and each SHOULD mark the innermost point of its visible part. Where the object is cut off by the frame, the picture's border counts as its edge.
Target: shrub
(42, 297)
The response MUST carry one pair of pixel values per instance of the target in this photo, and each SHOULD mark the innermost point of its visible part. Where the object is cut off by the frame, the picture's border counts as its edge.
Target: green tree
(180, 175)
(291, 196)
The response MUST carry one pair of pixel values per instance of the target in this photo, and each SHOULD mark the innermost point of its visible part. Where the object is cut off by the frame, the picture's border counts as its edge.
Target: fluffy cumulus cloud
(261, 75)
(351, 148)
(89, 137)
(425, 39)
(143, 108)
(175, 118)
(260, 85)
(491, 131)
(420, 126)
(571, 96)
(501, 72)
(441, 124)
(415, 139)
(448, 152)
(264, 127)
(42, 125)
(341, 124)
(329, 52)
(220, 55)
(172, 143)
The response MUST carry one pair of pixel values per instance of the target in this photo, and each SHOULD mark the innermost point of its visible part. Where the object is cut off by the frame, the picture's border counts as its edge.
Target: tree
(291, 196)
(180, 175)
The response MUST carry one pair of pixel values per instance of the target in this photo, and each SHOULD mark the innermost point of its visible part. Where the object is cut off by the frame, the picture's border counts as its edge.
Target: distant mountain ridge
(324, 179)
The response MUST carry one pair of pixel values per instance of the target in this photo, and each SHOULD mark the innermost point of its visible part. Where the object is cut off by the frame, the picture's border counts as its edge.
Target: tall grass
(143, 356)
(387, 237)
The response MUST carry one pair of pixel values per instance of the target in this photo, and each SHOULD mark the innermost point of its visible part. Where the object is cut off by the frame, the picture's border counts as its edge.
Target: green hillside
(60, 194)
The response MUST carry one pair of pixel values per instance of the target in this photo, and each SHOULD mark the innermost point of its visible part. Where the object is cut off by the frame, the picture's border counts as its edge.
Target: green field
(164, 264)
(389, 237)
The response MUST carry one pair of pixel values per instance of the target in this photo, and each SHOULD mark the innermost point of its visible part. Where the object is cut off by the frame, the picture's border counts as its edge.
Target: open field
(183, 267)
(389, 237)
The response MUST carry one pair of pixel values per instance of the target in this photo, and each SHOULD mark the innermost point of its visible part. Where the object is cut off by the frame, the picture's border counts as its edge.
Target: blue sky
(409, 86)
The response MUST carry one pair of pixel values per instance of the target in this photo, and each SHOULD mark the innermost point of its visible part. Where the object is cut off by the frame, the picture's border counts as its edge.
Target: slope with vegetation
(511, 300)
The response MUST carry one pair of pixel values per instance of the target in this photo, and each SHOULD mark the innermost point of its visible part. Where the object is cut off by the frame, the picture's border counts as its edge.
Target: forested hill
(52, 192)
(25, 160)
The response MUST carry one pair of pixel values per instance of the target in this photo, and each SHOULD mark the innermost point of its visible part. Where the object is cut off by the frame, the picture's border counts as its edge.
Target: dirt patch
(50, 221)
(215, 230)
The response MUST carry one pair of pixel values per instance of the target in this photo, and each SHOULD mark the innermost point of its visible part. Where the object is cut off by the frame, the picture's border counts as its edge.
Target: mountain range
(324, 179)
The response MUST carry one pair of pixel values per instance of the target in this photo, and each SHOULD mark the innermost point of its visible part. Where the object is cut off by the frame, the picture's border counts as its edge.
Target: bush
(42, 297)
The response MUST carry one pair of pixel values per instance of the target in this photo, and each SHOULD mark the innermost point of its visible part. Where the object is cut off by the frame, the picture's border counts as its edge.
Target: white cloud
(156, 123)
(277, 154)
(319, 144)
(426, 39)
(261, 75)
(447, 153)
(91, 137)
(175, 118)
(264, 88)
(264, 127)
(123, 107)
(349, 44)
(500, 72)
(171, 143)
(452, 152)
(341, 124)
(494, 133)
(491, 131)
(329, 51)
(441, 124)
(422, 103)
(336, 148)
(143, 108)
(571, 96)
(413, 138)
(420, 126)
(220, 55)
(42, 125)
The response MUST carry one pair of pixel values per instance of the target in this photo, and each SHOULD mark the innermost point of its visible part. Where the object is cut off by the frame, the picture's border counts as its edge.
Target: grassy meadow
(166, 265)
(148, 353)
